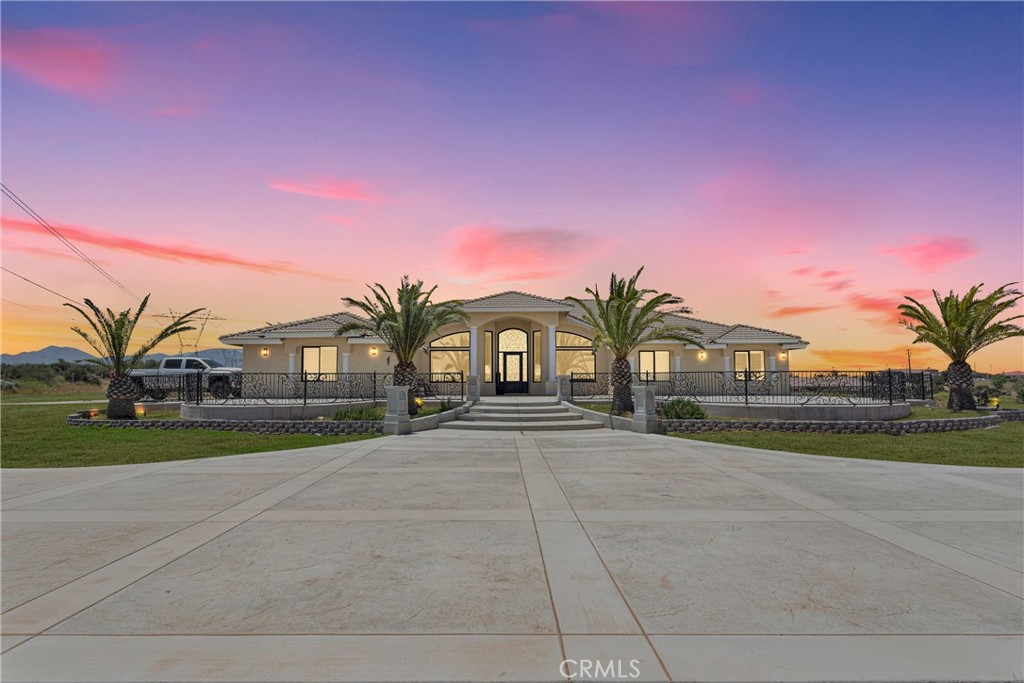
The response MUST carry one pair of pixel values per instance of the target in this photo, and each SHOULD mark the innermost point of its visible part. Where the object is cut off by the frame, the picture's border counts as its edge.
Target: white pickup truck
(217, 378)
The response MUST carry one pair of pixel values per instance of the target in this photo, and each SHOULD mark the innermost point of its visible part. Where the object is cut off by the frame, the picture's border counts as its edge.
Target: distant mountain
(52, 354)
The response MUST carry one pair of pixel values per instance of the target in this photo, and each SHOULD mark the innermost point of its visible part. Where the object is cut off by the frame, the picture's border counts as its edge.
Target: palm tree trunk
(121, 396)
(961, 387)
(405, 376)
(622, 386)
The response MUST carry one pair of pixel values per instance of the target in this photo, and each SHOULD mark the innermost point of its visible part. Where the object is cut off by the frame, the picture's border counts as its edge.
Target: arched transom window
(573, 353)
(450, 354)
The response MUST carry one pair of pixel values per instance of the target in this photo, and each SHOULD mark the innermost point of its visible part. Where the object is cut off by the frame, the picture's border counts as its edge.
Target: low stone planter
(894, 428)
(322, 427)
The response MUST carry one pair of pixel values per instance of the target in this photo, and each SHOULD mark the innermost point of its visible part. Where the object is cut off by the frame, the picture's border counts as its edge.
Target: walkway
(495, 556)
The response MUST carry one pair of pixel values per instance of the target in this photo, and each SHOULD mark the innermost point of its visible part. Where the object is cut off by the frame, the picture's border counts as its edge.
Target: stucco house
(514, 342)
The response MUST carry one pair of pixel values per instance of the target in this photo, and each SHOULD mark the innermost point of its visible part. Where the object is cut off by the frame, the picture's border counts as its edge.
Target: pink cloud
(179, 253)
(932, 253)
(802, 271)
(883, 311)
(328, 188)
(757, 198)
(515, 254)
(72, 61)
(790, 311)
(340, 220)
(47, 253)
(838, 285)
(797, 250)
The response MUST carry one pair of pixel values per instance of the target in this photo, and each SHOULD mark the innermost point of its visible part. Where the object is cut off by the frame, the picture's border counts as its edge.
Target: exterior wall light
(782, 355)
(373, 352)
(265, 352)
(702, 355)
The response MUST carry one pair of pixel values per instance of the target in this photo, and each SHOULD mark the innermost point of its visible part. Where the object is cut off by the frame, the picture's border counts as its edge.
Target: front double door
(513, 373)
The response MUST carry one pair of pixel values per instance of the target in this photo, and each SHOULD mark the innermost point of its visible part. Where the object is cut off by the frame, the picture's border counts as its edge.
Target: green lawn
(941, 412)
(36, 436)
(1001, 446)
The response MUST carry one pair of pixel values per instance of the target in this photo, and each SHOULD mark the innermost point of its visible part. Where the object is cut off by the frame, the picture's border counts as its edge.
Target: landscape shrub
(9, 385)
(982, 395)
(683, 409)
(1018, 390)
(50, 374)
(364, 413)
(998, 382)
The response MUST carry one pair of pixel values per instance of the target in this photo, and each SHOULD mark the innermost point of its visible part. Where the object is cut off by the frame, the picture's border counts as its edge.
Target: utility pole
(908, 362)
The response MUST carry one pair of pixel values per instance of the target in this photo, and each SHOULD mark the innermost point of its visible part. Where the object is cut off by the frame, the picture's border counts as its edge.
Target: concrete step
(521, 426)
(513, 409)
(517, 401)
(474, 416)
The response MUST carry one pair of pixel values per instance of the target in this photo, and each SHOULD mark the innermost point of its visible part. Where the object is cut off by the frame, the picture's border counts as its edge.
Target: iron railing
(797, 387)
(247, 388)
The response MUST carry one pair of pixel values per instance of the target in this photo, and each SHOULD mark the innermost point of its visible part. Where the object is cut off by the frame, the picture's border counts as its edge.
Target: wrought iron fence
(798, 387)
(247, 388)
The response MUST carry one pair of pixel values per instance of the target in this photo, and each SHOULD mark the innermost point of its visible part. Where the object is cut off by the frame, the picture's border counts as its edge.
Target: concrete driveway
(447, 556)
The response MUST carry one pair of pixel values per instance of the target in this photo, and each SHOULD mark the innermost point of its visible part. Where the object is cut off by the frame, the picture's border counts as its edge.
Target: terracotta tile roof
(515, 301)
(740, 333)
(320, 326)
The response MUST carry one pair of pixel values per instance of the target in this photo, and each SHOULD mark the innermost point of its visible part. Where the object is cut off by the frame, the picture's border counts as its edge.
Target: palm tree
(406, 327)
(963, 326)
(623, 322)
(113, 335)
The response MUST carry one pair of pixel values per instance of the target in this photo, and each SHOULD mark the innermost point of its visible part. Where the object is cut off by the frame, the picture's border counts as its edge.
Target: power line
(32, 282)
(33, 308)
(64, 240)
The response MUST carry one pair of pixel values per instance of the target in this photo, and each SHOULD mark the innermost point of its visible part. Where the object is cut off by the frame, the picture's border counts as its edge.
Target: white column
(632, 364)
(725, 362)
(291, 363)
(771, 363)
(344, 362)
(472, 351)
(551, 353)
(678, 358)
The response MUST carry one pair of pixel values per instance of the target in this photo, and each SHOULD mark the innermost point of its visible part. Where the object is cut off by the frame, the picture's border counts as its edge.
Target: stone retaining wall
(894, 428)
(322, 427)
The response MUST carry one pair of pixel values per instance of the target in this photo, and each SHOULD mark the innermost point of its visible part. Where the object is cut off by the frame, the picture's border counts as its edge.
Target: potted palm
(624, 321)
(112, 333)
(961, 327)
(404, 324)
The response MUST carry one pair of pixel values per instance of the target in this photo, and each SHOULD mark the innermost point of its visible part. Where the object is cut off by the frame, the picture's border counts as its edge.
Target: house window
(654, 365)
(319, 360)
(450, 354)
(749, 360)
(536, 356)
(573, 353)
(488, 356)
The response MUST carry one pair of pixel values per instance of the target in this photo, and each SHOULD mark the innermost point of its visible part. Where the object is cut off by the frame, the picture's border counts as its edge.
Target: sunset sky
(799, 166)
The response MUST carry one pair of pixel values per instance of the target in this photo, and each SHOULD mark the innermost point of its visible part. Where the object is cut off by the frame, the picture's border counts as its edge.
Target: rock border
(320, 427)
(891, 427)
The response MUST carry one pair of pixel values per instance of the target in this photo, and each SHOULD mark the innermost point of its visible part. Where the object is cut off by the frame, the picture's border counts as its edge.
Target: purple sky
(795, 166)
